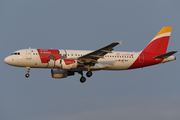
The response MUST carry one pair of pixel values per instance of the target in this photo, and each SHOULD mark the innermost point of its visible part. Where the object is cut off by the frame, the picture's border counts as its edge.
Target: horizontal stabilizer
(166, 55)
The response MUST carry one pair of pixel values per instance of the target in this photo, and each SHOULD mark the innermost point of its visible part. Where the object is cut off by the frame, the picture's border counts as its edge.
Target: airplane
(64, 63)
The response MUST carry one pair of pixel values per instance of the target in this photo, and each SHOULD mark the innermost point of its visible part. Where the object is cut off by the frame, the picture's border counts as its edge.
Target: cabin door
(141, 58)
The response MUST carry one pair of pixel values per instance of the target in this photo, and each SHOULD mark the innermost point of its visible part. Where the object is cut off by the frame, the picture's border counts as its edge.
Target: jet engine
(67, 64)
(59, 73)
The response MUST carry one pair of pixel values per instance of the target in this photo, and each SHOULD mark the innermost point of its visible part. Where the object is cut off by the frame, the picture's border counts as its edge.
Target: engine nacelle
(58, 73)
(68, 64)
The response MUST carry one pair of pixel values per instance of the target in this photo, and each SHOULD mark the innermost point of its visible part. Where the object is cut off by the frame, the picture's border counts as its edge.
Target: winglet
(120, 42)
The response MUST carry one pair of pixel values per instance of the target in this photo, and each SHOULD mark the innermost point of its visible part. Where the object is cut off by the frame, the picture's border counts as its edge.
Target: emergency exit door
(28, 54)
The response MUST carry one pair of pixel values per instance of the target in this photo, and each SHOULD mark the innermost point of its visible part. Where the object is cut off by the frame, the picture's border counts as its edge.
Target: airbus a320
(64, 63)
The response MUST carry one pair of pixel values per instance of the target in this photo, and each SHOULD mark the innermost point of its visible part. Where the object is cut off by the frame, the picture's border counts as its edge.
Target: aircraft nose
(7, 60)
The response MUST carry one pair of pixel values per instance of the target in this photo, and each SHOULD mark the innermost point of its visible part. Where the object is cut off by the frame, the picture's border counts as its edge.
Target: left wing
(95, 55)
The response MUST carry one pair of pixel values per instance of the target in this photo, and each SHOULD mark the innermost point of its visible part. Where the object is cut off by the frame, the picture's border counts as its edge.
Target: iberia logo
(131, 54)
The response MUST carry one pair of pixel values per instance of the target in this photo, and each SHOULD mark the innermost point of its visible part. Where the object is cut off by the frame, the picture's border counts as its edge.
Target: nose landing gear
(27, 74)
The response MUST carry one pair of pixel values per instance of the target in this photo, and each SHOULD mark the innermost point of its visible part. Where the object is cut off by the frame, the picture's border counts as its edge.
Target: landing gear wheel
(89, 74)
(27, 75)
(82, 79)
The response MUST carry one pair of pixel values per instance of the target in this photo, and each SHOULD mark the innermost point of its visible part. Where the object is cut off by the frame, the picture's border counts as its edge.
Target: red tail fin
(160, 42)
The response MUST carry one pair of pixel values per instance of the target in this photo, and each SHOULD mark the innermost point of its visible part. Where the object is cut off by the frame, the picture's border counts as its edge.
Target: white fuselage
(32, 58)
(111, 61)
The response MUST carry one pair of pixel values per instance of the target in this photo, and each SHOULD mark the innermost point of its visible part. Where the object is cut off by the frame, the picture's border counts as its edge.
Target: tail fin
(160, 42)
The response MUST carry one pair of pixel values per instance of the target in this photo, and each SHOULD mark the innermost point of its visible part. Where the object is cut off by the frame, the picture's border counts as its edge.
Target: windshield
(16, 53)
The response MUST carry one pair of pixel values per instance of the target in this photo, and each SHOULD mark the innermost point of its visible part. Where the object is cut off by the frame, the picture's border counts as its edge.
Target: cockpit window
(16, 53)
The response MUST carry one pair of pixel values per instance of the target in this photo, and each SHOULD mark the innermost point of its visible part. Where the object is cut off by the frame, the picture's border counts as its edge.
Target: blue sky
(146, 93)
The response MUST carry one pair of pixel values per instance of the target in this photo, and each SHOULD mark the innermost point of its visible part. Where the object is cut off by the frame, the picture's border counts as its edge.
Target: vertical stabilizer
(160, 42)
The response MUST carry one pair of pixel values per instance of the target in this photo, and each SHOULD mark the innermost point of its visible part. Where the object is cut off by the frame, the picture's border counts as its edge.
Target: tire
(89, 74)
(82, 79)
(27, 75)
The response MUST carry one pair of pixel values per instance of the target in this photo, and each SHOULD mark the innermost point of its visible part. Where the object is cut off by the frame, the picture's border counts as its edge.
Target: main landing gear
(89, 74)
(83, 79)
(27, 74)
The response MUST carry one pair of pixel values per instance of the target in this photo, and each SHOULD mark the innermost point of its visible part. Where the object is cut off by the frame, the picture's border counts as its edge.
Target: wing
(95, 55)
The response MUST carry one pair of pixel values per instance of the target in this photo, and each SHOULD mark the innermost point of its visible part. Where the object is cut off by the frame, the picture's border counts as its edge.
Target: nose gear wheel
(27, 75)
